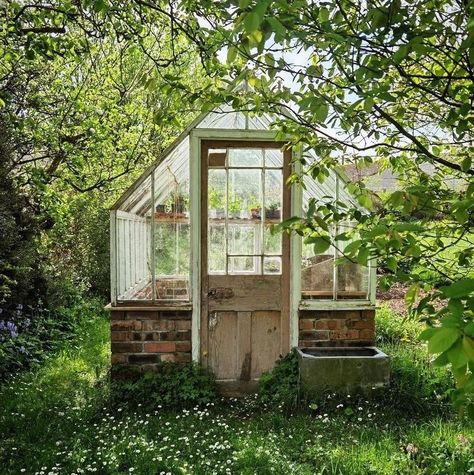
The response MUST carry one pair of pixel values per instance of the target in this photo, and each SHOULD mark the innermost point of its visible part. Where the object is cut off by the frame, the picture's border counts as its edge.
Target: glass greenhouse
(194, 234)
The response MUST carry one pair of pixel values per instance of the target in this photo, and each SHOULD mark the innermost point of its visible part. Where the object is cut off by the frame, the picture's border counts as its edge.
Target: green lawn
(56, 419)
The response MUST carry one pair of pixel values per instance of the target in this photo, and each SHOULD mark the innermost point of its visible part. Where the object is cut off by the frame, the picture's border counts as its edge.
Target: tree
(382, 81)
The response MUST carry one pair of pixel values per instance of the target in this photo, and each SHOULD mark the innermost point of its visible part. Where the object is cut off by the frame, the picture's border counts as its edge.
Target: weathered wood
(250, 292)
(265, 341)
(223, 344)
(244, 318)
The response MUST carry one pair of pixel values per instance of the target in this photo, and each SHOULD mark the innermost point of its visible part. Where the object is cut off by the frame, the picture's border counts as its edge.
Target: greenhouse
(192, 247)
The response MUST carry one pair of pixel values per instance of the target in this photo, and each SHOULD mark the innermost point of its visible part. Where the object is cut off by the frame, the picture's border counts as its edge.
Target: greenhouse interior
(151, 223)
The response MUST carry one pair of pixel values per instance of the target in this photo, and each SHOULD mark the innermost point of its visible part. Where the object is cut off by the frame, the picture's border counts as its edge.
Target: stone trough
(345, 370)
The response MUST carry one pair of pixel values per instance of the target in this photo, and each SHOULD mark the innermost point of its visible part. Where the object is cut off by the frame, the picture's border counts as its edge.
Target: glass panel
(273, 195)
(317, 274)
(243, 265)
(245, 192)
(273, 158)
(242, 239)
(272, 241)
(133, 263)
(217, 194)
(352, 278)
(216, 246)
(272, 265)
(245, 157)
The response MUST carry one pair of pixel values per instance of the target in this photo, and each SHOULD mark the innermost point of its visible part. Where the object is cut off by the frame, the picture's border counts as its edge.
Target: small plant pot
(273, 213)
(256, 213)
(161, 209)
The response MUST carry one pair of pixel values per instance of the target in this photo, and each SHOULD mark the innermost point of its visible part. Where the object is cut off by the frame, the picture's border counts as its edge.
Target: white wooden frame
(196, 135)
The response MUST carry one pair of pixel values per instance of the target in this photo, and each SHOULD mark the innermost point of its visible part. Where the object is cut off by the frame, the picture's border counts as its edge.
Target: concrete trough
(343, 370)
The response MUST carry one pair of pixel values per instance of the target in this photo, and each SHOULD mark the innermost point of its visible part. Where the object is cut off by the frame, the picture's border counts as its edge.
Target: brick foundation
(336, 328)
(147, 337)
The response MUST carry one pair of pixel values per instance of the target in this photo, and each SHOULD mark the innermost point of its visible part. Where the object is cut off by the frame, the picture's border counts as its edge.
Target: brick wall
(145, 338)
(336, 328)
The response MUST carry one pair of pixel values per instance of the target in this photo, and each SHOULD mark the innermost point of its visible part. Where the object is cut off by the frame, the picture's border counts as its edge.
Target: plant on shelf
(216, 204)
(273, 211)
(235, 207)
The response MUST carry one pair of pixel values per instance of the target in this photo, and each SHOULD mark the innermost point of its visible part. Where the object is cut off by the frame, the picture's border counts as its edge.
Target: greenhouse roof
(171, 169)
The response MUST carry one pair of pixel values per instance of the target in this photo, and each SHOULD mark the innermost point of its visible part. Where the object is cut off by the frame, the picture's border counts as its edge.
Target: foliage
(58, 418)
(172, 386)
(280, 387)
(380, 82)
(30, 335)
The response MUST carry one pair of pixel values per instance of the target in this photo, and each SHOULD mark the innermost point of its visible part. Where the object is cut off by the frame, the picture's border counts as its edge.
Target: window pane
(317, 274)
(352, 278)
(272, 265)
(352, 281)
(273, 195)
(217, 194)
(273, 158)
(216, 248)
(243, 265)
(242, 239)
(245, 157)
(272, 241)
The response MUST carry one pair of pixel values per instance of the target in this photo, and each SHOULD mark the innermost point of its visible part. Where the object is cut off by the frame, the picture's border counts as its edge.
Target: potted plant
(256, 213)
(216, 204)
(235, 205)
(273, 211)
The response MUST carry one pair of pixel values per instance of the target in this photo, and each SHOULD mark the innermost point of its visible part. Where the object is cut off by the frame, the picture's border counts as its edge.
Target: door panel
(245, 267)
(244, 292)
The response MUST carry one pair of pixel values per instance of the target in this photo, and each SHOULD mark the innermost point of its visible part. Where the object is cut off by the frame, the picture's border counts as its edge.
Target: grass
(58, 419)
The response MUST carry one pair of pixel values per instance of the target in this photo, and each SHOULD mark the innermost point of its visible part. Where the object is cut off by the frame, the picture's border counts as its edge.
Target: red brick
(119, 347)
(120, 336)
(183, 357)
(168, 357)
(183, 324)
(160, 347)
(117, 315)
(118, 358)
(306, 324)
(183, 335)
(368, 335)
(183, 346)
(126, 325)
(315, 335)
(361, 324)
(344, 335)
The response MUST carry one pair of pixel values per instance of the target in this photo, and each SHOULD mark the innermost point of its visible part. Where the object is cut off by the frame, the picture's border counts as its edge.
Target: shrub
(172, 386)
(280, 387)
(416, 386)
(28, 335)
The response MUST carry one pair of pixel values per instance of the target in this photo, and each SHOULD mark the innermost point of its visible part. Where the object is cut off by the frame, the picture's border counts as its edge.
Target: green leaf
(466, 164)
(442, 339)
(391, 263)
(468, 346)
(231, 54)
(441, 360)
(427, 333)
(457, 356)
(320, 245)
(277, 27)
(456, 307)
(368, 104)
(412, 294)
(461, 288)
(321, 112)
(251, 22)
(469, 329)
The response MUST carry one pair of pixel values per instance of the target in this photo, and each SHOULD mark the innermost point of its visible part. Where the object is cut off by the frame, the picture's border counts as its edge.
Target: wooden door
(245, 267)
